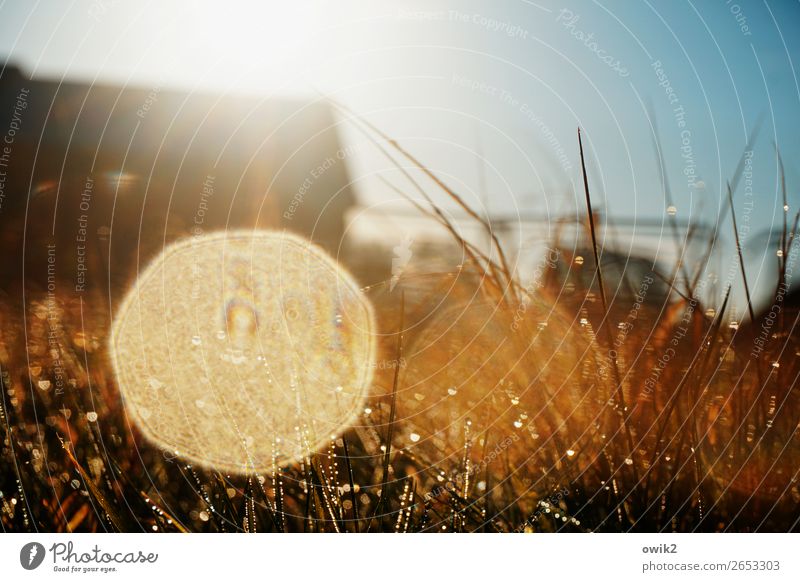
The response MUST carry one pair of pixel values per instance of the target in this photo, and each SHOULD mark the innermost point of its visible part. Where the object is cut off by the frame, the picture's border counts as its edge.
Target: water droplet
(517, 424)
(779, 252)
(196, 341)
(340, 388)
(452, 391)
(672, 211)
(570, 453)
(579, 260)
(414, 437)
(629, 461)
(91, 417)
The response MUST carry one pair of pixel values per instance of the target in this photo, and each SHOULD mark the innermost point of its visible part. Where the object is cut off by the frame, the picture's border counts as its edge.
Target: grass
(507, 408)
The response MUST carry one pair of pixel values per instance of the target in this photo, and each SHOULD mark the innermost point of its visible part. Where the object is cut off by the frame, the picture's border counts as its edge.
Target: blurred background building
(106, 175)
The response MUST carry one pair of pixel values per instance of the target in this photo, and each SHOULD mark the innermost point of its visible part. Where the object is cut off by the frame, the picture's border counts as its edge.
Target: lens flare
(243, 350)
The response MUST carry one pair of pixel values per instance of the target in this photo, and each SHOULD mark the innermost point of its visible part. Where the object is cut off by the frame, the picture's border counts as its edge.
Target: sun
(243, 351)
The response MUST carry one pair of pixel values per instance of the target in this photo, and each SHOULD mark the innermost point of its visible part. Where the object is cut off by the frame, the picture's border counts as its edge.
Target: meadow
(599, 397)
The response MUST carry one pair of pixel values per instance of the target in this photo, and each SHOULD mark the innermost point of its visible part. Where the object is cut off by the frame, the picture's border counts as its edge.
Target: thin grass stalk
(615, 366)
(679, 247)
(741, 258)
(351, 482)
(392, 414)
(438, 181)
(734, 183)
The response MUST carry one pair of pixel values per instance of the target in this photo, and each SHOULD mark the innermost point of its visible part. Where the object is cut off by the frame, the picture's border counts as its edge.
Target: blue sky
(506, 82)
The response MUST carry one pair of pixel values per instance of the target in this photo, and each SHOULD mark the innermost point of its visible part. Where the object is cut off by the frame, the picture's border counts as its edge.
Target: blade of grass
(741, 258)
(680, 248)
(440, 183)
(351, 482)
(615, 366)
(392, 413)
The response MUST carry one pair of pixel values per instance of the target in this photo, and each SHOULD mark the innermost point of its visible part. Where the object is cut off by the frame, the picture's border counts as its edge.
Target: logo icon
(31, 555)
(402, 255)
